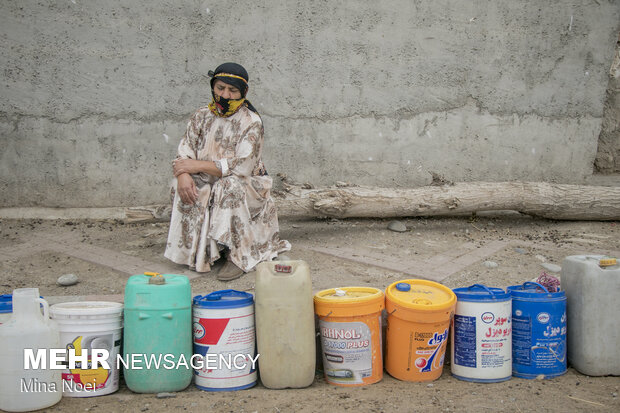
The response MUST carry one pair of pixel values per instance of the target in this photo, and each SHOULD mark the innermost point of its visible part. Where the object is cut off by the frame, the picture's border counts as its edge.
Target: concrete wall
(95, 95)
(608, 155)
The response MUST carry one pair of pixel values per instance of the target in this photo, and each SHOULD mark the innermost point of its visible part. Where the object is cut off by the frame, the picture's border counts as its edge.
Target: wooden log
(541, 199)
(554, 201)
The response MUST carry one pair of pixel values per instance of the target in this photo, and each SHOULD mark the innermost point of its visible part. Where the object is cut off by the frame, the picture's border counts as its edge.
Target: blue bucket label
(539, 339)
(465, 341)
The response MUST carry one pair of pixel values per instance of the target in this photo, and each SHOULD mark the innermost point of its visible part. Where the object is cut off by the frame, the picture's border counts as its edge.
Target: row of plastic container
(496, 334)
(225, 338)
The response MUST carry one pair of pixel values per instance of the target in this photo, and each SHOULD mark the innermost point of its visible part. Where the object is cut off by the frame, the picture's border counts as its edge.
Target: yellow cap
(607, 262)
(420, 295)
(151, 274)
(348, 301)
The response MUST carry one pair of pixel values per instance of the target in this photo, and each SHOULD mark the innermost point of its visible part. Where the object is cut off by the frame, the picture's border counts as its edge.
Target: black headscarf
(234, 74)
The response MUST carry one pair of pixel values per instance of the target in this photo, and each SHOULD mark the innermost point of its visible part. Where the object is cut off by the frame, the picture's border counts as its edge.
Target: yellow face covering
(225, 107)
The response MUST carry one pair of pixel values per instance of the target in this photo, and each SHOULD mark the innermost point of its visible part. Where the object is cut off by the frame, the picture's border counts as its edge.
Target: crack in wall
(399, 114)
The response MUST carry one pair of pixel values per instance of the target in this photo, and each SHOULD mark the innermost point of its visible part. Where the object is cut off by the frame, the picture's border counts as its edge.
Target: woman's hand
(187, 166)
(187, 189)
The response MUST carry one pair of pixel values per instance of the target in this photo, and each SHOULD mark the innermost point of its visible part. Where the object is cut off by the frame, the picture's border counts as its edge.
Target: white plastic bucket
(89, 325)
(482, 335)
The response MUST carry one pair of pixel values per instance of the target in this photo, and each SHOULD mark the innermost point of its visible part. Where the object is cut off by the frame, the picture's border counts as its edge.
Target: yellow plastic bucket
(350, 328)
(418, 323)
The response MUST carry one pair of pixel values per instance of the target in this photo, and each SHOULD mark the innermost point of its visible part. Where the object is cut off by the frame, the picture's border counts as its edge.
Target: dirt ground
(34, 253)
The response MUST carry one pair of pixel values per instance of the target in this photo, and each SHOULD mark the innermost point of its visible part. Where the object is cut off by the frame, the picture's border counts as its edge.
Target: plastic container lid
(348, 301)
(86, 309)
(6, 303)
(533, 291)
(421, 295)
(480, 292)
(224, 299)
(347, 295)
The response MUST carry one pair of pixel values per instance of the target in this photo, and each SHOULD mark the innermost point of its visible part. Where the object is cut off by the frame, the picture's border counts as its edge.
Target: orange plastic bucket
(350, 328)
(418, 323)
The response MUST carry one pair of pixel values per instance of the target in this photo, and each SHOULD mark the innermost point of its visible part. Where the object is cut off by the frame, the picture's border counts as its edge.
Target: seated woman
(222, 200)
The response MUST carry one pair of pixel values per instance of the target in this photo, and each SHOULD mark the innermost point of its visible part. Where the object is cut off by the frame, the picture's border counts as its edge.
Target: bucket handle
(484, 287)
(537, 285)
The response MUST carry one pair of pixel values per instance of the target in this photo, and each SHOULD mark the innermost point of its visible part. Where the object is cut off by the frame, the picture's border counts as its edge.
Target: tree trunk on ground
(555, 201)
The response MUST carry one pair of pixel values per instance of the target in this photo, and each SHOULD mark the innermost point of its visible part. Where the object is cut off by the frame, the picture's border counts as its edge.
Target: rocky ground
(497, 250)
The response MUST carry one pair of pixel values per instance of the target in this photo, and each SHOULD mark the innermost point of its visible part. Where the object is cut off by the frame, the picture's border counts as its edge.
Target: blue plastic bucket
(482, 335)
(538, 331)
(224, 337)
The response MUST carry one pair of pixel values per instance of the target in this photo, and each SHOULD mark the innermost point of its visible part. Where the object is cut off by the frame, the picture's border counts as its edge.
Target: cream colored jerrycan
(21, 389)
(592, 285)
(285, 324)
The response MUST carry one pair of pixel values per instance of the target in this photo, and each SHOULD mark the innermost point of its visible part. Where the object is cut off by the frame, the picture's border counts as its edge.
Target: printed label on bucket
(230, 344)
(84, 381)
(540, 341)
(428, 347)
(347, 351)
(491, 338)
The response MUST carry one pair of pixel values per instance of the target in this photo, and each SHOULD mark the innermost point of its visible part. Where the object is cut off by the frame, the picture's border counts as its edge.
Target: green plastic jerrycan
(157, 343)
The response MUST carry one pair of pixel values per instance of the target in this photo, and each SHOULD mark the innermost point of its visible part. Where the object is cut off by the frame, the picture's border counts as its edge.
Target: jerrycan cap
(224, 299)
(6, 303)
(607, 262)
(156, 278)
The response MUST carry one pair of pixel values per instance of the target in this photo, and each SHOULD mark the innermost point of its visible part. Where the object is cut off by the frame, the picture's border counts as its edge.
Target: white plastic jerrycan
(592, 286)
(284, 313)
(37, 387)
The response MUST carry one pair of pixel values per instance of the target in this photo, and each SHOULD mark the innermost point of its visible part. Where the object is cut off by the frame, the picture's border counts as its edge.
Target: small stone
(541, 258)
(520, 250)
(397, 226)
(166, 395)
(540, 377)
(614, 394)
(67, 280)
(430, 385)
(551, 267)
(490, 264)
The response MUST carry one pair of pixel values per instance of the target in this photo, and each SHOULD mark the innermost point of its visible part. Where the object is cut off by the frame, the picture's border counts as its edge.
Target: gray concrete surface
(95, 95)
(608, 155)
